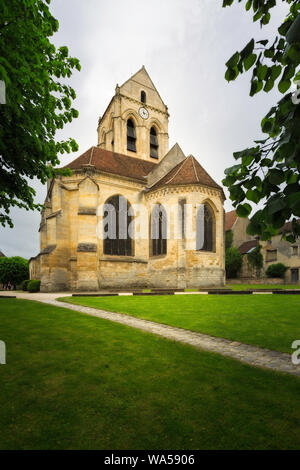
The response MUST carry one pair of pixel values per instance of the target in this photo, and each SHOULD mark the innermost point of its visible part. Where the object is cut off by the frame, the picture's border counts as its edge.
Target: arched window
(158, 230)
(153, 143)
(117, 238)
(206, 229)
(143, 97)
(131, 137)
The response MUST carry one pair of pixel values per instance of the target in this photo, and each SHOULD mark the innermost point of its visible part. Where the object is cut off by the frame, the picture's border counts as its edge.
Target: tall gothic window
(158, 233)
(143, 97)
(206, 231)
(131, 136)
(117, 238)
(153, 143)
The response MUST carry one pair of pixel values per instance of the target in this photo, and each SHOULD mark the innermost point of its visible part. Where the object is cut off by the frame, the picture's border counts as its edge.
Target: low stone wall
(250, 280)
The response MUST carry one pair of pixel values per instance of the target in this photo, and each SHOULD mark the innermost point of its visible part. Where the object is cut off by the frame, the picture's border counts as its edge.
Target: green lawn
(72, 381)
(262, 286)
(268, 321)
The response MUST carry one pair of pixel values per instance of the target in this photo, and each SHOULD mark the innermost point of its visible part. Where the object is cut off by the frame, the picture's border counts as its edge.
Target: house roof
(287, 227)
(189, 171)
(247, 246)
(2, 255)
(230, 218)
(112, 162)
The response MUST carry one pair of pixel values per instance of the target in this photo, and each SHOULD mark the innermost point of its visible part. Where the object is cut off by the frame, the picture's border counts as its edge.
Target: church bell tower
(135, 122)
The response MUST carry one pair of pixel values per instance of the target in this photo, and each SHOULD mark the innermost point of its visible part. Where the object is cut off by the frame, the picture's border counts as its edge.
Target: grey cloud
(184, 46)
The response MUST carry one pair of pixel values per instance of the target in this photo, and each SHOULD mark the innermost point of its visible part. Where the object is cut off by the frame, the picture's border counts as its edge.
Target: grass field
(262, 286)
(78, 382)
(268, 321)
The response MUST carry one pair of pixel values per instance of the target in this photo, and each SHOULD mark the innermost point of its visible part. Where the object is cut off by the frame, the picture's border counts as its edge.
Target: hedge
(34, 285)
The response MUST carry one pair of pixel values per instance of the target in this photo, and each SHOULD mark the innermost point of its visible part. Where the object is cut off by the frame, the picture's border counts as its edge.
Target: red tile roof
(230, 218)
(189, 171)
(112, 162)
(287, 227)
(247, 246)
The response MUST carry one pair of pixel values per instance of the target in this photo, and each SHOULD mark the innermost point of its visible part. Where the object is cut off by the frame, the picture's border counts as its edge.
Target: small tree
(13, 270)
(233, 262)
(276, 270)
(228, 239)
(256, 260)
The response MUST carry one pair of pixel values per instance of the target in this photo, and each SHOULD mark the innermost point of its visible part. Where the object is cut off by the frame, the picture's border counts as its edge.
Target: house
(276, 250)
(134, 213)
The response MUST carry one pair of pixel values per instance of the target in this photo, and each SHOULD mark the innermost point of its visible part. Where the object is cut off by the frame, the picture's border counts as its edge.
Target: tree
(256, 259)
(233, 262)
(228, 239)
(269, 170)
(13, 270)
(38, 101)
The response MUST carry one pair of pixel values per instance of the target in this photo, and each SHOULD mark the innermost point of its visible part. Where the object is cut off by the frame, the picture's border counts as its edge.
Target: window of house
(116, 222)
(143, 97)
(271, 255)
(295, 250)
(153, 143)
(205, 229)
(158, 231)
(131, 136)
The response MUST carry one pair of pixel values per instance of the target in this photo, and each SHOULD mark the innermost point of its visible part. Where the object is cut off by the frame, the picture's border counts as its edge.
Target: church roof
(112, 162)
(230, 218)
(189, 171)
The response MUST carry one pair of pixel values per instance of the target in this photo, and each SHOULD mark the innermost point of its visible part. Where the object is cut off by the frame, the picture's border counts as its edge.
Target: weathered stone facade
(72, 255)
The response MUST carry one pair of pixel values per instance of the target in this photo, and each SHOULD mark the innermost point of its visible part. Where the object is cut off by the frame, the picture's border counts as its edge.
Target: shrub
(256, 260)
(34, 285)
(276, 270)
(24, 284)
(233, 262)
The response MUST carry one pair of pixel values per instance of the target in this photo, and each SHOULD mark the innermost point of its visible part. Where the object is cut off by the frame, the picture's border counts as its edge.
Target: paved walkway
(251, 355)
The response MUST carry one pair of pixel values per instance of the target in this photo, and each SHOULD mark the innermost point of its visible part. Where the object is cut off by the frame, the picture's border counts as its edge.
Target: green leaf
(243, 210)
(249, 61)
(261, 71)
(248, 49)
(232, 169)
(253, 195)
(276, 176)
(269, 85)
(284, 85)
(275, 71)
(248, 5)
(276, 206)
(233, 61)
(231, 74)
(256, 86)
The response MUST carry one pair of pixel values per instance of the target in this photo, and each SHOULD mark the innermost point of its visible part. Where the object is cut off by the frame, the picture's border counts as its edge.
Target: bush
(24, 285)
(276, 270)
(34, 285)
(233, 262)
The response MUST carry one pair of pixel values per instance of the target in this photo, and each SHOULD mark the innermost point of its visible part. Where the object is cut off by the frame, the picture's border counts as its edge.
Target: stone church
(132, 167)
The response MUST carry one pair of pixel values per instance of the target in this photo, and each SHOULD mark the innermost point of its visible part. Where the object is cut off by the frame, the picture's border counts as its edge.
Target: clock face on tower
(144, 113)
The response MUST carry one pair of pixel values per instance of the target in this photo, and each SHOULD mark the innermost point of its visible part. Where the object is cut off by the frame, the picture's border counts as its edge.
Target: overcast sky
(184, 45)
